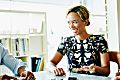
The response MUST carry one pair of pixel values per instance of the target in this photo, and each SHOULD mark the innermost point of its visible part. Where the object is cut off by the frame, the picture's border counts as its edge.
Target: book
(41, 66)
(38, 64)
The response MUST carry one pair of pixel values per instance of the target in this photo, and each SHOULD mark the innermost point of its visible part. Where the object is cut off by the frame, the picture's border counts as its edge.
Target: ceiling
(54, 2)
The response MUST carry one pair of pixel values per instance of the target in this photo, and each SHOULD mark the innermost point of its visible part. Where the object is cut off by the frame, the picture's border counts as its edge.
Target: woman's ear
(87, 22)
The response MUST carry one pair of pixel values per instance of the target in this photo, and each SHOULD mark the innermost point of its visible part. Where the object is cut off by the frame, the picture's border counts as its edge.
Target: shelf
(24, 58)
(5, 36)
(14, 35)
(21, 56)
(36, 34)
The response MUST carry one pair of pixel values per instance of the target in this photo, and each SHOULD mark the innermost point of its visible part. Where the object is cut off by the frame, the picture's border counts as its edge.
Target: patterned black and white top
(83, 52)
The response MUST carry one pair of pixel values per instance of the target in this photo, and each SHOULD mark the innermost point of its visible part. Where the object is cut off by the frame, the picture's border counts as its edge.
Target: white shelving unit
(22, 20)
(33, 42)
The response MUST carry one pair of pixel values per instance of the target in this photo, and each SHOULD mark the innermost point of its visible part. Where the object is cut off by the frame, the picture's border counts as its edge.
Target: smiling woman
(86, 53)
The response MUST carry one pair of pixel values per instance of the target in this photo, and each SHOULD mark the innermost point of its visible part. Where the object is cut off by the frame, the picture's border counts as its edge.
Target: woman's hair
(82, 11)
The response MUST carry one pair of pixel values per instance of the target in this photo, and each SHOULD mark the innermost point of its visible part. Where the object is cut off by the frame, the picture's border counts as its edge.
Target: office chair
(115, 57)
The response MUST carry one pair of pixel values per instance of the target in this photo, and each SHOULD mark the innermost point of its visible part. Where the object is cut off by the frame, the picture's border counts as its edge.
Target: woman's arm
(51, 66)
(105, 65)
(57, 58)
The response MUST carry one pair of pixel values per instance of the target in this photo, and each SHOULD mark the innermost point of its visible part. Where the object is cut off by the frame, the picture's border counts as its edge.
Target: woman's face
(76, 24)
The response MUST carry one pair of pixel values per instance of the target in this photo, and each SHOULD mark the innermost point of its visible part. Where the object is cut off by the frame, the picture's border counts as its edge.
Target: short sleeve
(62, 48)
(103, 46)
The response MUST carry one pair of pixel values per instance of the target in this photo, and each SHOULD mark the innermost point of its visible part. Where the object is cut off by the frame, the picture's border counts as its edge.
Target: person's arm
(51, 66)
(104, 56)
(11, 62)
(57, 58)
(105, 65)
(16, 66)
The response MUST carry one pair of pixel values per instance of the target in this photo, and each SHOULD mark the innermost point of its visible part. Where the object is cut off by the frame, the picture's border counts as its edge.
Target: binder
(35, 63)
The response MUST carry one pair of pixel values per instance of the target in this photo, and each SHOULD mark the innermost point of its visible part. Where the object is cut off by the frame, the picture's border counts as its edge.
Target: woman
(86, 53)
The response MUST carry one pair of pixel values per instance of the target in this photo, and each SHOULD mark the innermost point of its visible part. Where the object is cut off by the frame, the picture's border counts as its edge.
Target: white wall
(113, 34)
(53, 2)
(118, 9)
(55, 16)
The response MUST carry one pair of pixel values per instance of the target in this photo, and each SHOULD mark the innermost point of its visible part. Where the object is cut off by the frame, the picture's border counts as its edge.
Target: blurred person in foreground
(17, 67)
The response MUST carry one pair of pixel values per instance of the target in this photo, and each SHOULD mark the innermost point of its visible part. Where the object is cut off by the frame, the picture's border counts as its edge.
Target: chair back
(115, 57)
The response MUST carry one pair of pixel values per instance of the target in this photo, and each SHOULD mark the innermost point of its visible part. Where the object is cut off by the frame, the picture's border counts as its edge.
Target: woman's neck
(83, 35)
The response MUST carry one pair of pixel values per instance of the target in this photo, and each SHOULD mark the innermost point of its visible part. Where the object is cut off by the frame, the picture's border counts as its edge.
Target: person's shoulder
(97, 37)
(1, 46)
(69, 38)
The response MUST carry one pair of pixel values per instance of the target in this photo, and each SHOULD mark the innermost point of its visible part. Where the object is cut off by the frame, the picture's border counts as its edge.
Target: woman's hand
(90, 68)
(59, 72)
(87, 68)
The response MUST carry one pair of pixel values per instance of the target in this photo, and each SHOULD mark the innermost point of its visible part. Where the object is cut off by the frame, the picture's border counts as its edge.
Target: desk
(44, 75)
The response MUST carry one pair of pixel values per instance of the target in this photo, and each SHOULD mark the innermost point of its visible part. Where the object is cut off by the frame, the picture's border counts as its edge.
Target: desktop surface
(44, 75)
